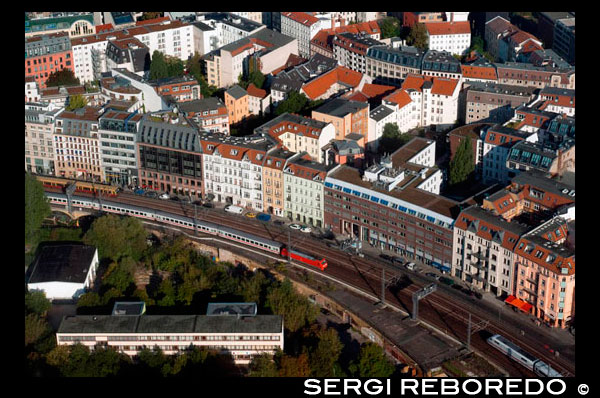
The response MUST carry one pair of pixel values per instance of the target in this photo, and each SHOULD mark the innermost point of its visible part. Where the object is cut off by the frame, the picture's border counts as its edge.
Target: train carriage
(521, 356)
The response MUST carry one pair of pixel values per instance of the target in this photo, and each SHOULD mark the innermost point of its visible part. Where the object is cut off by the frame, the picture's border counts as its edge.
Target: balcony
(479, 255)
(480, 265)
(478, 277)
(529, 291)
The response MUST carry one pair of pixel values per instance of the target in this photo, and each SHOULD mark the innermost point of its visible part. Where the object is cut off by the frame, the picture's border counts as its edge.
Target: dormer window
(234, 152)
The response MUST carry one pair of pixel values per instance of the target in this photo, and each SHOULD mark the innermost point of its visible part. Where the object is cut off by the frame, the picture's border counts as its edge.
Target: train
(80, 186)
(521, 356)
(206, 227)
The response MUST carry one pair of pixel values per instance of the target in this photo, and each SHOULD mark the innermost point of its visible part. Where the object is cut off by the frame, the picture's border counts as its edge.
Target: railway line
(440, 309)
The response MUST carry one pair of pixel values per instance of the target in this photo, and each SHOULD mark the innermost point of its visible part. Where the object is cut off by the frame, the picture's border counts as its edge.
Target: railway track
(439, 309)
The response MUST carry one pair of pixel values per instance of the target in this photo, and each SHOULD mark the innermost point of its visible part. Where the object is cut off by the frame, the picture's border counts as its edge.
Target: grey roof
(528, 66)
(293, 79)
(224, 309)
(533, 154)
(129, 308)
(554, 15)
(227, 18)
(202, 26)
(404, 55)
(550, 55)
(358, 38)
(171, 80)
(558, 91)
(346, 147)
(538, 179)
(498, 128)
(175, 136)
(63, 263)
(255, 141)
(236, 91)
(440, 61)
(200, 105)
(498, 221)
(501, 88)
(340, 107)
(380, 112)
(170, 324)
(270, 36)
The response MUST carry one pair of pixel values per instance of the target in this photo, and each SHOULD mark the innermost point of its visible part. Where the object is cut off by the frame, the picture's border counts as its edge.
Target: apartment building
(39, 128)
(392, 65)
(300, 134)
(407, 107)
(545, 273)
(437, 97)
(483, 254)
(130, 54)
(441, 64)
(550, 156)
(322, 42)
(395, 205)
(181, 88)
(479, 70)
(346, 117)
(236, 101)
(118, 135)
(210, 114)
(303, 190)
(564, 39)
(301, 26)
(273, 183)
(73, 23)
(518, 46)
(240, 336)
(233, 168)
(47, 54)
(229, 27)
(350, 50)
(151, 100)
(409, 19)
(169, 155)
(558, 100)
(523, 74)
(259, 102)
(453, 37)
(495, 30)
(77, 145)
(495, 103)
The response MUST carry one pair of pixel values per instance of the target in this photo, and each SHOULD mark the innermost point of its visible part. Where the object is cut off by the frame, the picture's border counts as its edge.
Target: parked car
(295, 226)
(175, 198)
(410, 266)
(197, 202)
(139, 191)
(278, 222)
(234, 209)
(251, 215)
(306, 229)
(432, 275)
(151, 194)
(399, 260)
(446, 281)
(164, 196)
(457, 286)
(209, 205)
(386, 257)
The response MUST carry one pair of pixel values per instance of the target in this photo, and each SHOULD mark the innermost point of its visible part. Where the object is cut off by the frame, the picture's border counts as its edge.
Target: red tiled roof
(75, 90)
(151, 21)
(358, 96)
(479, 72)
(487, 232)
(321, 84)
(499, 25)
(530, 46)
(508, 139)
(374, 90)
(120, 34)
(441, 85)
(324, 36)
(448, 28)
(104, 28)
(521, 36)
(242, 48)
(399, 97)
(301, 17)
(556, 265)
(255, 91)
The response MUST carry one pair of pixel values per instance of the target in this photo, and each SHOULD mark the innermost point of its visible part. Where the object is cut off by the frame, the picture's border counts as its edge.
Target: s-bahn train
(80, 186)
(521, 356)
(187, 222)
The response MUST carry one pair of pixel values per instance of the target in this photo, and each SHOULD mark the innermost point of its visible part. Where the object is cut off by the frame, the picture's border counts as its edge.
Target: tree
(76, 101)
(371, 362)
(89, 299)
(418, 36)
(158, 66)
(462, 165)
(63, 77)
(175, 67)
(390, 27)
(116, 237)
(295, 309)
(35, 328)
(166, 292)
(36, 302)
(294, 103)
(120, 276)
(326, 354)
(194, 68)
(294, 366)
(150, 15)
(392, 138)
(36, 207)
(262, 365)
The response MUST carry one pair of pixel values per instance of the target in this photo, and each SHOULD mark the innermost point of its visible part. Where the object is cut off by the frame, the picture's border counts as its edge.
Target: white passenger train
(521, 356)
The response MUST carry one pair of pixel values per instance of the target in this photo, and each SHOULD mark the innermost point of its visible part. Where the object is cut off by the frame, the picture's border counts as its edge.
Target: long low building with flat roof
(240, 336)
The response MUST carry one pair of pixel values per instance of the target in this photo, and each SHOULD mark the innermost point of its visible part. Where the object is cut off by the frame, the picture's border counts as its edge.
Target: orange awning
(520, 304)
(526, 307)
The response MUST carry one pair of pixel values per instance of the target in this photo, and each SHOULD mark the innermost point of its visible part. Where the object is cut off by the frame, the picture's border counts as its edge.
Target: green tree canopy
(158, 66)
(390, 27)
(76, 101)
(35, 328)
(150, 15)
(371, 362)
(36, 302)
(116, 237)
(294, 103)
(36, 208)
(89, 299)
(462, 165)
(63, 77)
(295, 309)
(262, 365)
(194, 68)
(120, 275)
(326, 354)
(392, 139)
(175, 67)
(418, 36)
(294, 366)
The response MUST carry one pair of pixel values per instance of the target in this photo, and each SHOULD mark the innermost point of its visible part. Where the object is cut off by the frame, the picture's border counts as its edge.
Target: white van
(410, 266)
(234, 209)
